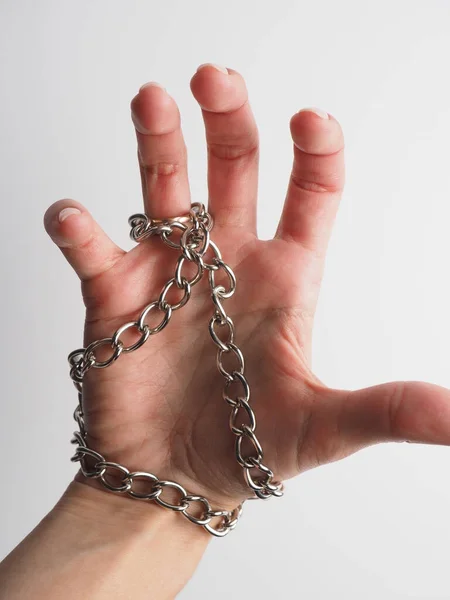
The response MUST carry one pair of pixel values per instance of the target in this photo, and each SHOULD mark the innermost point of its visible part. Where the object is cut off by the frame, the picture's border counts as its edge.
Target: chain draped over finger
(193, 245)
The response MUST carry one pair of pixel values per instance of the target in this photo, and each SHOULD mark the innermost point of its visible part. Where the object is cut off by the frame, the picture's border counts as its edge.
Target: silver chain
(193, 244)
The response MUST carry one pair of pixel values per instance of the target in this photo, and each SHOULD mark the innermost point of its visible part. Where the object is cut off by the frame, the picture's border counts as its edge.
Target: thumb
(394, 412)
(82, 241)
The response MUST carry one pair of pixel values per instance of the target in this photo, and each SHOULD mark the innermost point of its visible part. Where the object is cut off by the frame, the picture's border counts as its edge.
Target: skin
(159, 409)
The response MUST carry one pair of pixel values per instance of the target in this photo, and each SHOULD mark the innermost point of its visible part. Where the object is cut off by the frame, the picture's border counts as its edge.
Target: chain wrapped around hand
(193, 244)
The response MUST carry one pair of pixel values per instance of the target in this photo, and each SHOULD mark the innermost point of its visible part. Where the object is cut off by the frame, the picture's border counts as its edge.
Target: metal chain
(193, 244)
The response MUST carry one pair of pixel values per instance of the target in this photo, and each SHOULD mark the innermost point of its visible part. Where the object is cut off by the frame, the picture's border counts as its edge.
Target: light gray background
(377, 524)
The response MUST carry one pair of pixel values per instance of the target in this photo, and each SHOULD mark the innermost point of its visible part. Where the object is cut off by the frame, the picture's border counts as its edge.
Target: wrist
(85, 499)
(219, 517)
(133, 539)
(96, 544)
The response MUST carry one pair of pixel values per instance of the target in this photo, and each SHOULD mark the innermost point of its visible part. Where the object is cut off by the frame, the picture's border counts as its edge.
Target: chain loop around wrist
(193, 246)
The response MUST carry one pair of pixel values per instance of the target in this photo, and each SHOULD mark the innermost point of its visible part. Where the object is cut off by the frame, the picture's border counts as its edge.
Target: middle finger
(232, 140)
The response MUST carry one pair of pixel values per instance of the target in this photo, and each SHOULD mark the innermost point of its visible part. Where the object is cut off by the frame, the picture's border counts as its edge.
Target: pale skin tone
(160, 409)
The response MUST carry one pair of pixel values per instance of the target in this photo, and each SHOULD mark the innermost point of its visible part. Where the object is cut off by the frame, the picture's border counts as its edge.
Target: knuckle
(234, 151)
(313, 184)
(395, 399)
(162, 169)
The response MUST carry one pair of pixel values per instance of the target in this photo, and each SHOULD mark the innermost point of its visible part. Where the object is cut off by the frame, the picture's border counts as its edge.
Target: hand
(160, 409)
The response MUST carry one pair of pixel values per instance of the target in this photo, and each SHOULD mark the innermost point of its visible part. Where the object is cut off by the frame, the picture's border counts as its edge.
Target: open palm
(160, 409)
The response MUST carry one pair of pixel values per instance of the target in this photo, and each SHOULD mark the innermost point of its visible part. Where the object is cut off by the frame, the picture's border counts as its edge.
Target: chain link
(193, 244)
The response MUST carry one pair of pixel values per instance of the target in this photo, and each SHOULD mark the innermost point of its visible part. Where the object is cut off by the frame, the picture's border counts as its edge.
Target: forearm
(97, 545)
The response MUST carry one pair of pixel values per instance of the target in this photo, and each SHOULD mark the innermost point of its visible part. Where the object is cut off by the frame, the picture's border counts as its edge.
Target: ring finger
(161, 152)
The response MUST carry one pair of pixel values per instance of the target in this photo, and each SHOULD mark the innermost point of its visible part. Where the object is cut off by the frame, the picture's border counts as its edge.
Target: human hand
(159, 409)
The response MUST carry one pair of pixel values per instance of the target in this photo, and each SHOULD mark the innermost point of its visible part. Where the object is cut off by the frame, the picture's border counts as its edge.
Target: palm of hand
(160, 409)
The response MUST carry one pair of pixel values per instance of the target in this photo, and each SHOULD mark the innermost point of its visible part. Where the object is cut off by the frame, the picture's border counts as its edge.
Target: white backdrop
(377, 524)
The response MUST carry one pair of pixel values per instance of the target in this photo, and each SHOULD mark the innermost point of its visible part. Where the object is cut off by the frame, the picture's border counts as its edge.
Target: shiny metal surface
(194, 245)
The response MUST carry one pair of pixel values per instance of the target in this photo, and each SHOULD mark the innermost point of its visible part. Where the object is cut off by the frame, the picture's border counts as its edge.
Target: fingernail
(152, 84)
(317, 111)
(66, 212)
(138, 125)
(214, 66)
